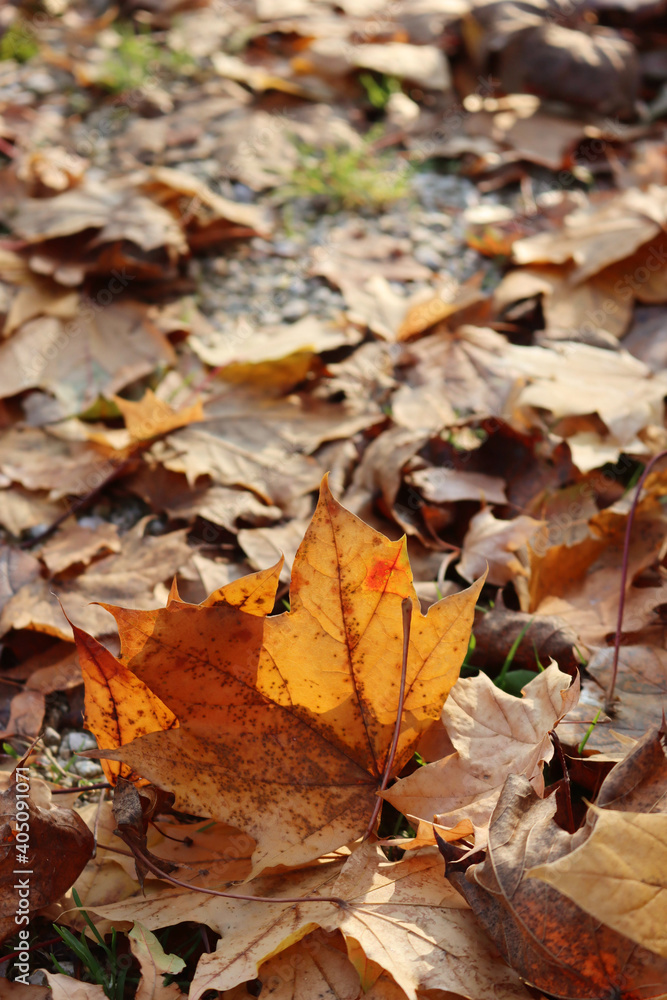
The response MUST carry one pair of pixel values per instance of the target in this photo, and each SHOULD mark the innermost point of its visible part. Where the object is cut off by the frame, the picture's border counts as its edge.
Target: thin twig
(231, 895)
(406, 610)
(566, 779)
(624, 574)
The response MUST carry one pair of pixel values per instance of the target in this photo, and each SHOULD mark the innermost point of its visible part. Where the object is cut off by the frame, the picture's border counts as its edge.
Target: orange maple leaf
(286, 722)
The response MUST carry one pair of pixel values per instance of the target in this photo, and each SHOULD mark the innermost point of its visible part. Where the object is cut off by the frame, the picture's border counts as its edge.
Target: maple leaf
(286, 723)
(401, 916)
(493, 733)
(551, 942)
(618, 869)
(619, 875)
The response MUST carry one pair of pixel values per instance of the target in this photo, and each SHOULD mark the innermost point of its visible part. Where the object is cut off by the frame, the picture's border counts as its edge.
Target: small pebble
(76, 742)
(51, 738)
(87, 768)
(294, 310)
(428, 257)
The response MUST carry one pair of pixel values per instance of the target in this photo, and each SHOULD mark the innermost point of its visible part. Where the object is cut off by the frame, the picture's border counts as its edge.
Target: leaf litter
(195, 331)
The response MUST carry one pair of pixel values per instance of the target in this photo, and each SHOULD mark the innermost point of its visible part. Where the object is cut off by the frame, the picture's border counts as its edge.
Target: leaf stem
(406, 611)
(231, 895)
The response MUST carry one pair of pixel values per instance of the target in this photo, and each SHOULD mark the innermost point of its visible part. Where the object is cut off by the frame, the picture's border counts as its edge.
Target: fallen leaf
(119, 706)
(316, 966)
(490, 541)
(345, 604)
(493, 733)
(79, 544)
(400, 914)
(641, 690)
(544, 638)
(619, 875)
(154, 965)
(150, 417)
(97, 354)
(142, 562)
(552, 943)
(64, 987)
(58, 846)
(599, 234)
(450, 485)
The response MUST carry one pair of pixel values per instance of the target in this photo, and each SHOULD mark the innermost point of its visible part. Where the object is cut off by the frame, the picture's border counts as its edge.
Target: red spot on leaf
(379, 573)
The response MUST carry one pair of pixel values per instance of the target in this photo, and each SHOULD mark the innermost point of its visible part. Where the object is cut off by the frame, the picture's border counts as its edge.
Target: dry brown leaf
(208, 854)
(58, 847)
(401, 915)
(40, 297)
(619, 875)
(150, 417)
(262, 444)
(450, 485)
(64, 987)
(599, 234)
(551, 942)
(141, 564)
(493, 733)
(205, 216)
(316, 966)
(492, 542)
(474, 378)
(273, 356)
(542, 638)
(641, 690)
(114, 208)
(97, 354)
(585, 590)
(39, 460)
(78, 544)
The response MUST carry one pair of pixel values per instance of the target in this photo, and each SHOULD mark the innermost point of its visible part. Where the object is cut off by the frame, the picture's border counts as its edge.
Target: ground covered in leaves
(408, 258)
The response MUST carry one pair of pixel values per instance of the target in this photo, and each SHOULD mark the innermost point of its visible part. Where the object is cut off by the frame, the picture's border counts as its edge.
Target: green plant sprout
(136, 59)
(346, 178)
(501, 680)
(589, 731)
(18, 42)
(379, 88)
(113, 978)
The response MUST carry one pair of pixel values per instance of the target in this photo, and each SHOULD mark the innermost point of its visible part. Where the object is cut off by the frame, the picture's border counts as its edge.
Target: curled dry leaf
(494, 733)
(286, 722)
(494, 542)
(60, 844)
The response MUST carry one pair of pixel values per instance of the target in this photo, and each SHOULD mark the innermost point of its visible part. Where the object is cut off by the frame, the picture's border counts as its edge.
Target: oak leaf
(286, 723)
